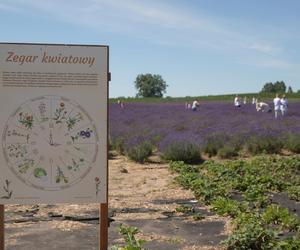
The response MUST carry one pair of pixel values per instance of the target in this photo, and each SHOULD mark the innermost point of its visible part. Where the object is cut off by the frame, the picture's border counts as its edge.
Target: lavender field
(165, 123)
(260, 193)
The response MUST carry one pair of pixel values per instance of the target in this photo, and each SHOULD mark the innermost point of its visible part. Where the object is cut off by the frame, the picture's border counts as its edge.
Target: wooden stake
(2, 243)
(103, 240)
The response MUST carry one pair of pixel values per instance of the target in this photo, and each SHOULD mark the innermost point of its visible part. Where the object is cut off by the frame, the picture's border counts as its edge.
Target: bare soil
(144, 196)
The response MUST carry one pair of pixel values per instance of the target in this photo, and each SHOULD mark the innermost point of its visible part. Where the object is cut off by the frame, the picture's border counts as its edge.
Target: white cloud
(274, 63)
(7, 7)
(264, 48)
(159, 22)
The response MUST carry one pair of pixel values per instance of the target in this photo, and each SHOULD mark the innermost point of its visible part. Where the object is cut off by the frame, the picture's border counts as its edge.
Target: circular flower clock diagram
(50, 143)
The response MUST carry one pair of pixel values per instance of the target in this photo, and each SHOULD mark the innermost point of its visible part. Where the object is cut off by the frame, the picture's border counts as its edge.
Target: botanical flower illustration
(84, 134)
(60, 176)
(26, 120)
(60, 113)
(75, 165)
(7, 191)
(16, 150)
(97, 183)
(25, 165)
(72, 121)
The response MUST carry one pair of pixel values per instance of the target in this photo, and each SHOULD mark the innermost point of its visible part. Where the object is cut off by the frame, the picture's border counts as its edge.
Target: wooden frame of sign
(103, 208)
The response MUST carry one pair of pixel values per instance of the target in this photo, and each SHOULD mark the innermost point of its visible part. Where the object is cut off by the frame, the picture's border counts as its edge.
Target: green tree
(276, 87)
(279, 87)
(150, 85)
(290, 90)
(268, 88)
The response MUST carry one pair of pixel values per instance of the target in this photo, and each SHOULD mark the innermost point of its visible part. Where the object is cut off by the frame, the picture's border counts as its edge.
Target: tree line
(153, 85)
(277, 87)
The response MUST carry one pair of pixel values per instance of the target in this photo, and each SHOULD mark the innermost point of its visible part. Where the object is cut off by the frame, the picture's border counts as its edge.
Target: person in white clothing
(277, 104)
(245, 100)
(237, 101)
(263, 107)
(195, 105)
(284, 105)
(253, 100)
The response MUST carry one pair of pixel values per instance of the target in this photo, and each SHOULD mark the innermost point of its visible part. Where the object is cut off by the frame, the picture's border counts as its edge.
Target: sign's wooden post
(103, 226)
(2, 243)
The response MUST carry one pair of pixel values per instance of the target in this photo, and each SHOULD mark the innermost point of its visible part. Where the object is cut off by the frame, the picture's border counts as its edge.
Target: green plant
(198, 216)
(227, 152)
(224, 206)
(264, 144)
(131, 242)
(293, 143)
(182, 151)
(118, 145)
(184, 208)
(140, 152)
(256, 194)
(277, 215)
(251, 236)
(214, 143)
(291, 243)
(294, 193)
(251, 182)
(177, 166)
(185, 179)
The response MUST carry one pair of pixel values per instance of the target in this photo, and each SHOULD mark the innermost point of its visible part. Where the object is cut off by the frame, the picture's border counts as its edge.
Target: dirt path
(140, 195)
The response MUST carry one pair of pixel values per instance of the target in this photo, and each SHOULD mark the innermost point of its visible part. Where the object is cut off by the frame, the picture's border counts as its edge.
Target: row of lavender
(166, 123)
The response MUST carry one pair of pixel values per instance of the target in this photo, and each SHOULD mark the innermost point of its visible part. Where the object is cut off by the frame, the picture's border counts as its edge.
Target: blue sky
(198, 47)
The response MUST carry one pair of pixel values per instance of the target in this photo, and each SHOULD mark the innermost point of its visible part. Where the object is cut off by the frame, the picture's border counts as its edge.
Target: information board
(53, 121)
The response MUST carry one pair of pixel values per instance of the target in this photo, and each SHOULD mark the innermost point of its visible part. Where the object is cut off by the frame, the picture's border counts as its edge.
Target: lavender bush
(163, 124)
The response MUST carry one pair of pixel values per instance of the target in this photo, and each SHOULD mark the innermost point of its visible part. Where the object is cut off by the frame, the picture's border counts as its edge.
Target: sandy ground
(144, 196)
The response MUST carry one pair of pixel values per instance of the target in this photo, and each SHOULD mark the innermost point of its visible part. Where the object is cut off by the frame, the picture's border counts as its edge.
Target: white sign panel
(53, 121)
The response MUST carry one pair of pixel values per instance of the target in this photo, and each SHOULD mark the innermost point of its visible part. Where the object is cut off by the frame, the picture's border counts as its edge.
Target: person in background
(195, 105)
(263, 107)
(283, 105)
(245, 100)
(277, 104)
(237, 101)
(253, 100)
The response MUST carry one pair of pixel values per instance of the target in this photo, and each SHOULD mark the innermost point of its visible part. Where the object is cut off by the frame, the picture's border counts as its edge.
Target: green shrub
(277, 215)
(140, 152)
(118, 145)
(182, 151)
(294, 193)
(256, 194)
(186, 179)
(264, 144)
(227, 152)
(214, 143)
(291, 243)
(293, 143)
(207, 190)
(176, 166)
(251, 237)
(224, 206)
